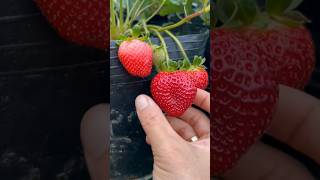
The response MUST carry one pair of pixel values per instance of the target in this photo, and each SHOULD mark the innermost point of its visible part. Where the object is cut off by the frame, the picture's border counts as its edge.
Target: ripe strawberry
(244, 96)
(136, 57)
(251, 54)
(83, 22)
(174, 92)
(199, 77)
(289, 51)
(196, 70)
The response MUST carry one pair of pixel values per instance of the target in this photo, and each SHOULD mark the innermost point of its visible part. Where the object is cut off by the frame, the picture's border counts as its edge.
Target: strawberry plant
(254, 49)
(125, 14)
(131, 27)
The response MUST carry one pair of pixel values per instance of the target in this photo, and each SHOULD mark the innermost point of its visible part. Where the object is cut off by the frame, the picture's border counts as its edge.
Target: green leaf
(262, 21)
(169, 66)
(172, 7)
(248, 11)
(136, 31)
(277, 7)
(185, 65)
(292, 18)
(294, 4)
(297, 16)
(198, 61)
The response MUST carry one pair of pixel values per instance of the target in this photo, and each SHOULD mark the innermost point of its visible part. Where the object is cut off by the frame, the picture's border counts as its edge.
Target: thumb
(153, 121)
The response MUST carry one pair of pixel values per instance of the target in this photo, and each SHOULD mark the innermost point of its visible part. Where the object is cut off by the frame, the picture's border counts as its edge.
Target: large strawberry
(81, 21)
(136, 57)
(173, 91)
(244, 96)
(251, 53)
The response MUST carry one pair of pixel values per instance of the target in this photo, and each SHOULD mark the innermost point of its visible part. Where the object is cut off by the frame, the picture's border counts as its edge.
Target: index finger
(202, 100)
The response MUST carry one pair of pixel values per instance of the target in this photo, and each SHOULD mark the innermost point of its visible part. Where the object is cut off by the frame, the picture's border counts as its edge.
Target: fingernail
(141, 102)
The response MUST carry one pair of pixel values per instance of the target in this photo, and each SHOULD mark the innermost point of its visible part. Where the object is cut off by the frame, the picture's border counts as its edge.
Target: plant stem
(183, 52)
(121, 14)
(141, 11)
(156, 12)
(163, 43)
(112, 12)
(146, 30)
(186, 19)
(130, 12)
(136, 13)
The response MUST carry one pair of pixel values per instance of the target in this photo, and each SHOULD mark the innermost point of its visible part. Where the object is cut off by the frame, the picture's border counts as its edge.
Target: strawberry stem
(186, 19)
(183, 52)
(121, 15)
(156, 12)
(146, 30)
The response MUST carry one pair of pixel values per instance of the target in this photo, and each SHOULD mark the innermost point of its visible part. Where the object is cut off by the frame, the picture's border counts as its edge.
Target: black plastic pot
(130, 156)
(46, 85)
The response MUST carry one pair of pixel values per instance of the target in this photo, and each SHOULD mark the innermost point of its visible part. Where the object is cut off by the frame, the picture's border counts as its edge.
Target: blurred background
(46, 85)
(309, 9)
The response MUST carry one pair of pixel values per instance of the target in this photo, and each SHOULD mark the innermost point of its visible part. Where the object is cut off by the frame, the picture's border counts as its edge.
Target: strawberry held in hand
(136, 57)
(244, 96)
(173, 91)
(81, 21)
(251, 54)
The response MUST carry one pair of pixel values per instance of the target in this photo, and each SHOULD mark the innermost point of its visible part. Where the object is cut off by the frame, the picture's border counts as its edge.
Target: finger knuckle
(151, 120)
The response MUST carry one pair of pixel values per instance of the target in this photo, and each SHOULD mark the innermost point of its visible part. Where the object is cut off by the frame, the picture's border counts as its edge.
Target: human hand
(175, 157)
(94, 132)
(296, 123)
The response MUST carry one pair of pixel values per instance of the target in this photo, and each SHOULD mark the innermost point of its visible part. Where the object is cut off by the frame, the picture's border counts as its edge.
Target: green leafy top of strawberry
(235, 13)
(123, 38)
(197, 63)
(168, 66)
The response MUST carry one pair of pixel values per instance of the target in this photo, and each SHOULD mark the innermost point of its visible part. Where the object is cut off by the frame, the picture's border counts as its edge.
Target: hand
(296, 123)
(175, 157)
(94, 133)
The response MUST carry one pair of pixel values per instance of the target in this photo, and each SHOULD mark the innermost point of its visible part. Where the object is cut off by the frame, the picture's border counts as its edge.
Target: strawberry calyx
(168, 66)
(239, 13)
(130, 38)
(197, 63)
(284, 12)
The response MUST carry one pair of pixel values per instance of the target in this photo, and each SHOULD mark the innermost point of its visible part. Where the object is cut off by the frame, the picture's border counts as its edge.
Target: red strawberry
(244, 96)
(199, 77)
(174, 92)
(196, 70)
(290, 53)
(136, 57)
(252, 53)
(83, 22)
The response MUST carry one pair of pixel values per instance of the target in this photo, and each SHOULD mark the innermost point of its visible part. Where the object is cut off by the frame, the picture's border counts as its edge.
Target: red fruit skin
(289, 52)
(174, 92)
(244, 95)
(80, 21)
(199, 77)
(136, 57)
